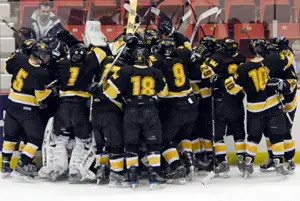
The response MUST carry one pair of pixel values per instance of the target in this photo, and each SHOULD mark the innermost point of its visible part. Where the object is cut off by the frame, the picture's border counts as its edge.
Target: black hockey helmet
(167, 46)
(272, 49)
(59, 49)
(78, 53)
(152, 39)
(230, 46)
(281, 42)
(140, 56)
(41, 52)
(210, 42)
(258, 46)
(27, 33)
(27, 46)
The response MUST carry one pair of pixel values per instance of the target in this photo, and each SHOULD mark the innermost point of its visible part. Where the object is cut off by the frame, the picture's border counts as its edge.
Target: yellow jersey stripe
(262, 106)
(205, 92)
(23, 98)
(110, 90)
(179, 94)
(232, 87)
(74, 93)
(289, 107)
(42, 95)
(164, 92)
(100, 54)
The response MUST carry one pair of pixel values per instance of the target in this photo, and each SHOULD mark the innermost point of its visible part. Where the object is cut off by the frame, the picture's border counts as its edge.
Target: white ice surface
(261, 186)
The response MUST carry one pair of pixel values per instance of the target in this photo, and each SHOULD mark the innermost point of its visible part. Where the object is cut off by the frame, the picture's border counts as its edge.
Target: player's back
(26, 77)
(176, 73)
(253, 78)
(74, 78)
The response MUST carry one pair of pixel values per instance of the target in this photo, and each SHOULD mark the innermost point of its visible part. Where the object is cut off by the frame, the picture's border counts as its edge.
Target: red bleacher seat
(111, 32)
(297, 10)
(77, 31)
(283, 8)
(27, 7)
(288, 30)
(172, 7)
(244, 10)
(202, 6)
(254, 31)
(221, 31)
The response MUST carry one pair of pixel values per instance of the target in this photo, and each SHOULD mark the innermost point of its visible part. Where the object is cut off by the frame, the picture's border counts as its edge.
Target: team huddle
(146, 105)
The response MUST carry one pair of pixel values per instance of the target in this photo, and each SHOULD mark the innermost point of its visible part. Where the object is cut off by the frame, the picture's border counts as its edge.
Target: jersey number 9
(143, 86)
(19, 81)
(178, 72)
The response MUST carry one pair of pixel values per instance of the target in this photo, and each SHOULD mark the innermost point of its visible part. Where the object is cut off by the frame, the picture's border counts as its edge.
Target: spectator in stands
(44, 23)
(296, 50)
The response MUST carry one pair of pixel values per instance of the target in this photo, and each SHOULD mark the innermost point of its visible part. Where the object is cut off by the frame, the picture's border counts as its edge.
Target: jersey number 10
(259, 77)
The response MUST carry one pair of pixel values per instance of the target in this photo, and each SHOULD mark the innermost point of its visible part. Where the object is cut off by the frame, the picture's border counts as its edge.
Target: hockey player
(229, 109)
(181, 103)
(107, 124)
(72, 117)
(139, 85)
(285, 74)
(202, 131)
(263, 105)
(27, 94)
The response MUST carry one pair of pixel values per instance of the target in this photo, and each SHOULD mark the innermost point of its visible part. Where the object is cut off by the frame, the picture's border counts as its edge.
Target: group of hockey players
(159, 110)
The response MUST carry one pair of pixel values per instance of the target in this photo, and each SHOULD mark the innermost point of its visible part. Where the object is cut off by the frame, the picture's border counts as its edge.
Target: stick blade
(187, 15)
(243, 31)
(208, 13)
(208, 178)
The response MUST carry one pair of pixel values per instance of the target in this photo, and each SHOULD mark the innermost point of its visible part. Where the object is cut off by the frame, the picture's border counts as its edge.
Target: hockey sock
(104, 159)
(28, 153)
(240, 147)
(172, 157)
(117, 163)
(21, 146)
(208, 148)
(269, 147)
(251, 149)
(7, 150)
(185, 146)
(278, 150)
(154, 159)
(220, 148)
(132, 159)
(289, 149)
(196, 146)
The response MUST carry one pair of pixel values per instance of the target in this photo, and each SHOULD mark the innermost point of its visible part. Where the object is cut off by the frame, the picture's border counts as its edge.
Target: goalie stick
(243, 31)
(204, 15)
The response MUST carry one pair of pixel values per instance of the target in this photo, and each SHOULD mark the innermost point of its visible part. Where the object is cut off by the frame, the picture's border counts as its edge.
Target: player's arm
(161, 85)
(42, 94)
(234, 84)
(208, 66)
(12, 63)
(116, 84)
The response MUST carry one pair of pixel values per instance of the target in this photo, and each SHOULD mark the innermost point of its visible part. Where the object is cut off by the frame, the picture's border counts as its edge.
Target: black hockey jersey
(281, 66)
(136, 84)
(28, 82)
(176, 68)
(101, 102)
(252, 77)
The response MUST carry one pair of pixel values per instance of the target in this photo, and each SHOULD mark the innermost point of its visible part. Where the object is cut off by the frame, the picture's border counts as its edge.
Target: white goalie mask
(93, 36)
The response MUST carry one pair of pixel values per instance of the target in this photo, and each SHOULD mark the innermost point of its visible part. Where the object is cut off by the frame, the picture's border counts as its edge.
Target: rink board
(261, 155)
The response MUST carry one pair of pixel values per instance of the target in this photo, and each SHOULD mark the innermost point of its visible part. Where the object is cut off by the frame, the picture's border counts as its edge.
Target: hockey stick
(11, 27)
(216, 20)
(123, 47)
(204, 15)
(186, 15)
(212, 173)
(243, 31)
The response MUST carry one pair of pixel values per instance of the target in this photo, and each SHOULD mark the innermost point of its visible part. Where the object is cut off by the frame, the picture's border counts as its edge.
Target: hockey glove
(131, 40)
(92, 88)
(166, 28)
(278, 85)
(216, 81)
